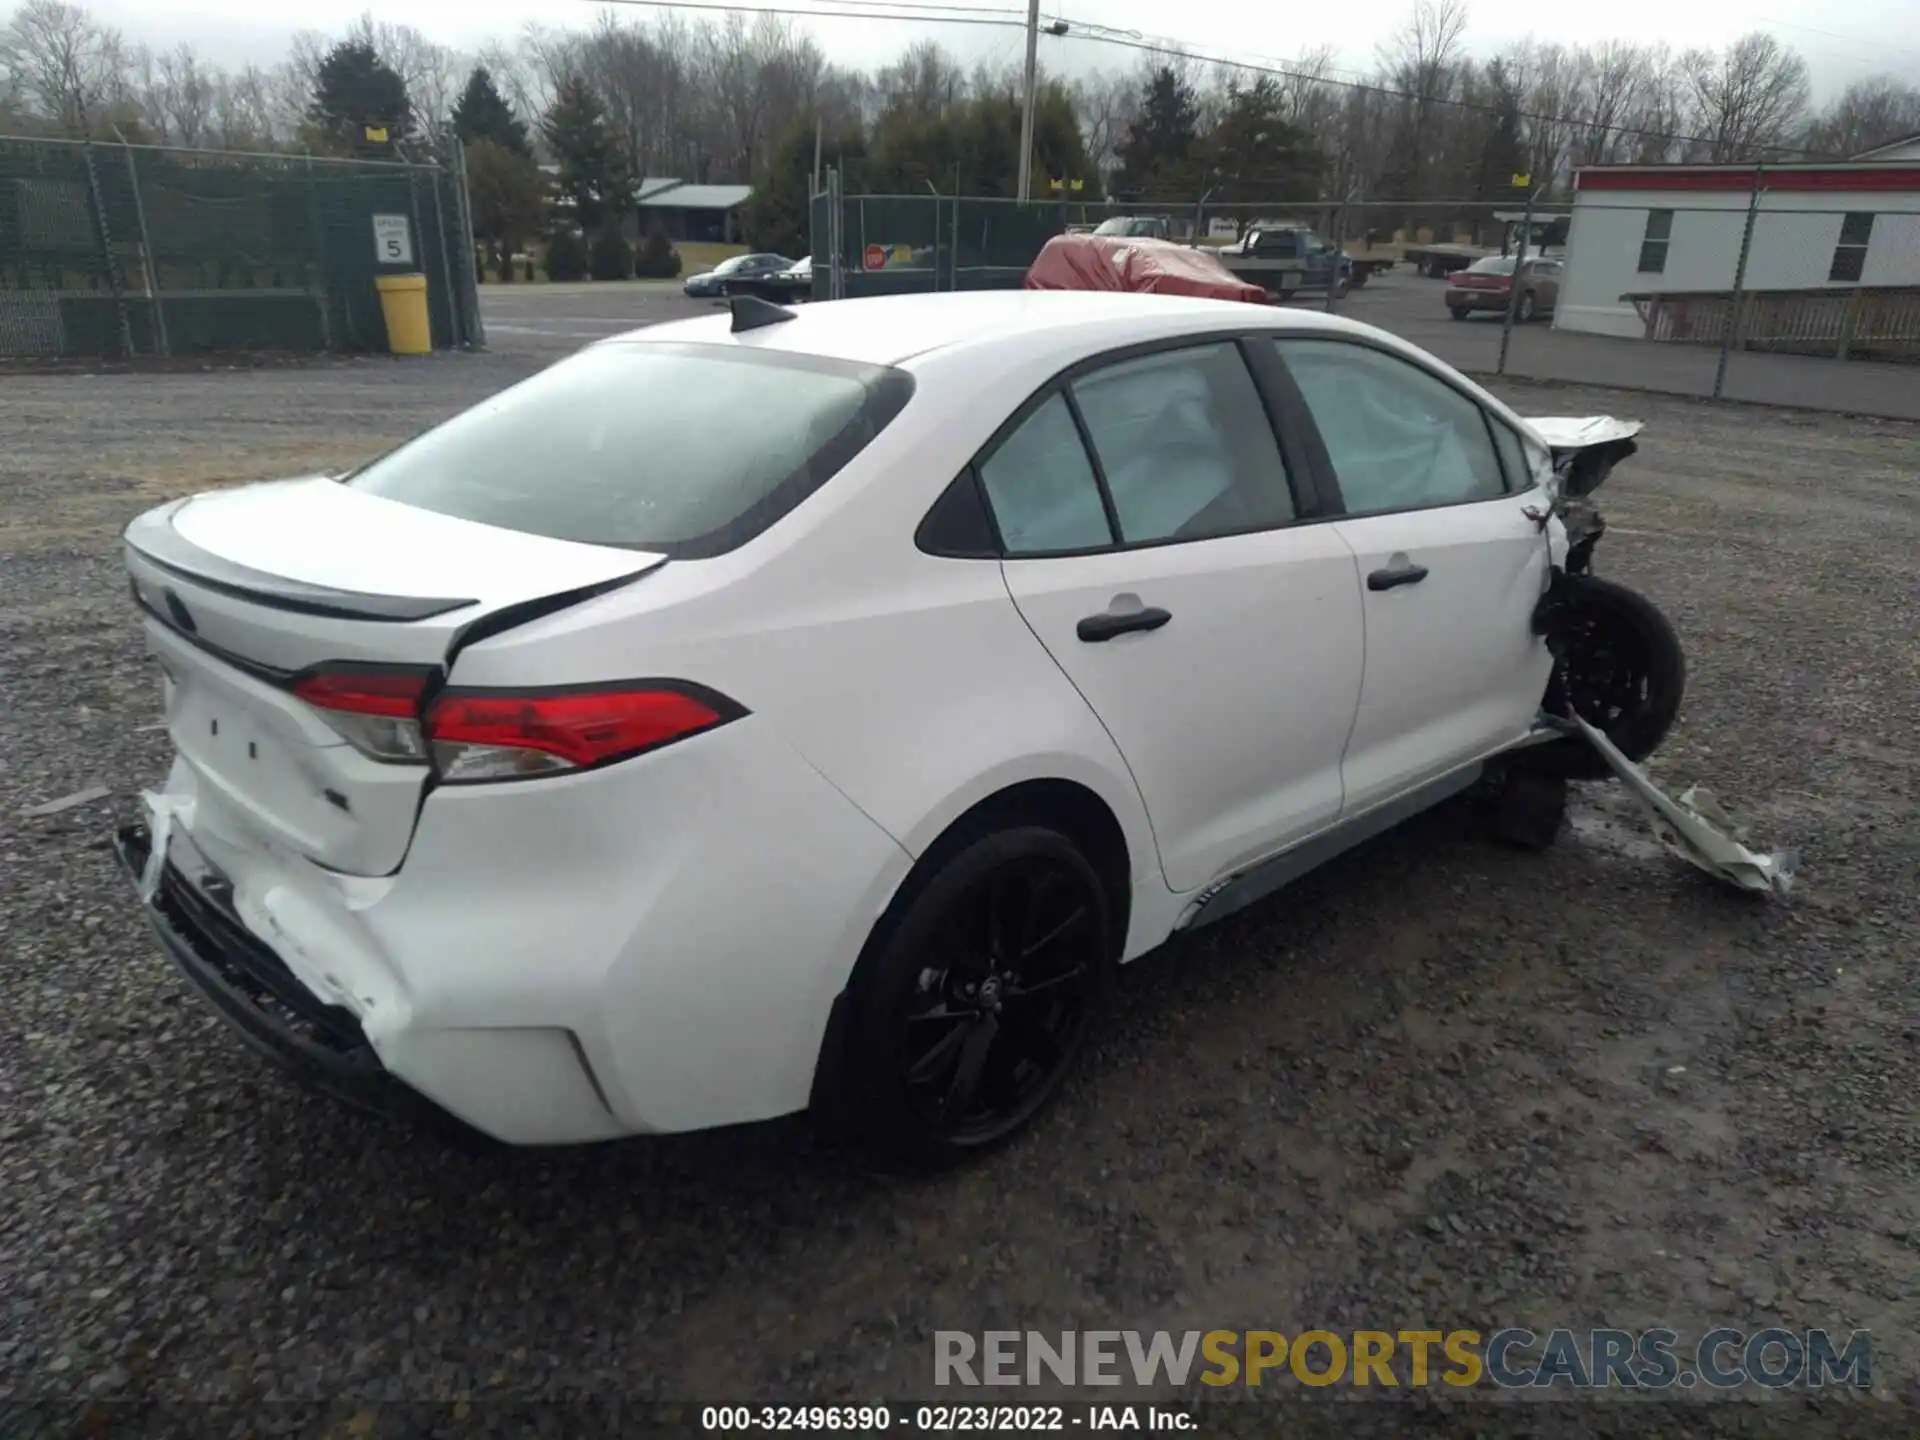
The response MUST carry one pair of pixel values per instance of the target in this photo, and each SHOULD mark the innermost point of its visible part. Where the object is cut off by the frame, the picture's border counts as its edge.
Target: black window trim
(1309, 502)
(1327, 479)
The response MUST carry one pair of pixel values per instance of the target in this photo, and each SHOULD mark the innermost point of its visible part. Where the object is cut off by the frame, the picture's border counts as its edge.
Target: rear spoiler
(1585, 448)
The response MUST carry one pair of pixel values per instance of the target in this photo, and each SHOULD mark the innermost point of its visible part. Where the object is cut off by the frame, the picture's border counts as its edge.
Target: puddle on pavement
(1621, 838)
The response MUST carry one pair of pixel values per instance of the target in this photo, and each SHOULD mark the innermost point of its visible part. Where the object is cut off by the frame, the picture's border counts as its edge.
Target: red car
(1488, 284)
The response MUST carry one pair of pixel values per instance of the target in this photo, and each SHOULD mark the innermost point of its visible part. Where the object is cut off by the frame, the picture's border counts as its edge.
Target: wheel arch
(1076, 809)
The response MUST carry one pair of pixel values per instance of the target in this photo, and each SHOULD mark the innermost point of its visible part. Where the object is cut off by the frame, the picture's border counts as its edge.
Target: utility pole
(1026, 113)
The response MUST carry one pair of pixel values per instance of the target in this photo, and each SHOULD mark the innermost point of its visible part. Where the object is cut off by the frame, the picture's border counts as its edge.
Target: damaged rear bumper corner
(257, 996)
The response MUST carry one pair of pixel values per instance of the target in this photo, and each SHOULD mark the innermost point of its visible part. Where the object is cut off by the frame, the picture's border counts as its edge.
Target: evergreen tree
(1505, 153)
(1159, 158)
(508, 199)
(1257, 157)
(355, 91)
(594, 174)
(483, 114)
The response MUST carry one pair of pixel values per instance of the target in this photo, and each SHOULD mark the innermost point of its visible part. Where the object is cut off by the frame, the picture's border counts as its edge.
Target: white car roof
(891, 329)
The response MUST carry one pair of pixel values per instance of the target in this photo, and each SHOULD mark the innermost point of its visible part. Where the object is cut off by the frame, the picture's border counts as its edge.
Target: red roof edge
(1890, 176)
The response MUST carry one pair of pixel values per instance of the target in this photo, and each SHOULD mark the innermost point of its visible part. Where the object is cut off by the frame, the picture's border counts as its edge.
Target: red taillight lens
(375, 711)
(364, 692)
(491, 735)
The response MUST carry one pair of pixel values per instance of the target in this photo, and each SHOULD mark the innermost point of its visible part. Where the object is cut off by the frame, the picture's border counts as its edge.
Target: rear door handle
(1395, 576)
(1107, 624)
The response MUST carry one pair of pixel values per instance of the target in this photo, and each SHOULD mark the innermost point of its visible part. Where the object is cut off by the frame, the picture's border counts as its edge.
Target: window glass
(1850, 255)
(1399, 439)
(1513, 455)
(1653, 246)
(1185, 445)
(1042, 488)
(685, 449)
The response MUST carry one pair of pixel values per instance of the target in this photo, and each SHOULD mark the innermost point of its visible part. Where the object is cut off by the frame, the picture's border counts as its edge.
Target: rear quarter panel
(909, 681)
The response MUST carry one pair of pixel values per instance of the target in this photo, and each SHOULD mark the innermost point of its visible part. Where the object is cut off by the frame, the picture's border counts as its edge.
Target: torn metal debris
(66, 802)
(1696, 828)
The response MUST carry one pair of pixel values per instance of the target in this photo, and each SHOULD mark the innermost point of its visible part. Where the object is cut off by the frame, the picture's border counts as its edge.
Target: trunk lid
(245, 590)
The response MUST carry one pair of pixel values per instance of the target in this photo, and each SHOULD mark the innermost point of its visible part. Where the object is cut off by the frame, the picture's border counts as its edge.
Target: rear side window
(688, 450)
(1042, 488)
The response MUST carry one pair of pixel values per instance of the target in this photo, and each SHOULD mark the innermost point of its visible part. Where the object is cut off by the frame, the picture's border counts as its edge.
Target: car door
(1149, 536)
(1450, 562)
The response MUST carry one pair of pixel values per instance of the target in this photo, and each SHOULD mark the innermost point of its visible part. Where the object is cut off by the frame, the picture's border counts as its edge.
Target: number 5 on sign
(392, 240)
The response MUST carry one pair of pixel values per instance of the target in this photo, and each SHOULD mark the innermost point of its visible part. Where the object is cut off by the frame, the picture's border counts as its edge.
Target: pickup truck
(1290, 259)
(1136, 227)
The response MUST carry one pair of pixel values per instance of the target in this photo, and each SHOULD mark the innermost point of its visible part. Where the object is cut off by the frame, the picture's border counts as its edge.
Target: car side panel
(910, 681)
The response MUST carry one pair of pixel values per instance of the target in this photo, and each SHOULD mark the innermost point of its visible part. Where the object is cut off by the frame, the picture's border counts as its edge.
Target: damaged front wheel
(1618, 666)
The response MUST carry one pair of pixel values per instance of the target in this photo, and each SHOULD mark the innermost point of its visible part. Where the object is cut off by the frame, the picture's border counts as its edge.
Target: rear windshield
(1492, 265)
(689, 450)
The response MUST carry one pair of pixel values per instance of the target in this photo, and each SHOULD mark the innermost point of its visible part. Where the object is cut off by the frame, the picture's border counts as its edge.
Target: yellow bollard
(403, 300)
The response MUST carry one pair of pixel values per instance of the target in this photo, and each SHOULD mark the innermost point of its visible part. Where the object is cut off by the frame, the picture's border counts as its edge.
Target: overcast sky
(1840, 43)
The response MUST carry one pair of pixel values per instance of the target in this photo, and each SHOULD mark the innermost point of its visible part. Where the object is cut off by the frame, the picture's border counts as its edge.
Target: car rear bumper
(253, 991)
(1476, 299)
(650, 947)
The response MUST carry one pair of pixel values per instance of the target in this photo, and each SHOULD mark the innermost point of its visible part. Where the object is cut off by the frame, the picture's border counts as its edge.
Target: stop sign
(876, 257)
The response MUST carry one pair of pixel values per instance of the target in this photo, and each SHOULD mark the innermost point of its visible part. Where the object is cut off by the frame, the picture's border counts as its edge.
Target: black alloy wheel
(970, 1013)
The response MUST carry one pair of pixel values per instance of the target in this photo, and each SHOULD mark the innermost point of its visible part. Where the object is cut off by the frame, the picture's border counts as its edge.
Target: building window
(1653, 245)
(1850, 255)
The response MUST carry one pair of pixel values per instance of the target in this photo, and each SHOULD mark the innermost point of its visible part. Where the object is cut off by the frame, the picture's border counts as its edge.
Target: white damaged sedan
(809, 709)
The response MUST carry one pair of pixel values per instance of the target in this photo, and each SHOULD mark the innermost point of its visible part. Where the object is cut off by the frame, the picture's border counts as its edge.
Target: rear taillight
(377, 711)
(480, 735)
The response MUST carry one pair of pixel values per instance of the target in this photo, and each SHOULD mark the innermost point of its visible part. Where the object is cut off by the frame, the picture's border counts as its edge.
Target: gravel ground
(1438, 1083)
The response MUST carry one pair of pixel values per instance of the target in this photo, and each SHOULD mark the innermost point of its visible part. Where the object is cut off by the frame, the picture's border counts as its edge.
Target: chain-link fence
(132, 250)
(1764, 294)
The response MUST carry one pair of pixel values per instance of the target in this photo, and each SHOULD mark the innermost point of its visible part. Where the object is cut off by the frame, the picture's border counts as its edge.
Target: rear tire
(973, 999)
(1526, 307)
(1459, 312)
(1620, 668)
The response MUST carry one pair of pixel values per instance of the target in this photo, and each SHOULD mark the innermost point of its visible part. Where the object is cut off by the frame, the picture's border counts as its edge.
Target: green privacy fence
(895, 244)
(130, 250)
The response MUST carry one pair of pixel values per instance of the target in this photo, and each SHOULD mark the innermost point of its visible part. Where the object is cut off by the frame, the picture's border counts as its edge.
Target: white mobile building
(1647, 233)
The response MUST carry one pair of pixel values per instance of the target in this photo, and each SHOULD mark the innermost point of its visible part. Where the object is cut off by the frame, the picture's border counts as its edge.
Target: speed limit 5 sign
(392, 240)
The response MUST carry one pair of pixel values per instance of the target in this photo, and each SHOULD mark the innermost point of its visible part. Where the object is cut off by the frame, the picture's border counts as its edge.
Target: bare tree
(1749, 98)
(431, 72)
(740, 66)
(1613, 76)
(1868, 113)
(69, 68)
(243, 111)
(924, 82)
(1104, 103)
(1422, 63)
(178, 93)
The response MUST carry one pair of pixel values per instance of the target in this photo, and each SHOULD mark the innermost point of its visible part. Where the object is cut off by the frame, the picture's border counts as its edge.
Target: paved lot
(550, 319)
(1438, 1084)
(1411, 305)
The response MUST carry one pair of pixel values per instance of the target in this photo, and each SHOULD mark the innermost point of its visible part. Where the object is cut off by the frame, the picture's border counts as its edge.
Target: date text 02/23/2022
(942, 1419)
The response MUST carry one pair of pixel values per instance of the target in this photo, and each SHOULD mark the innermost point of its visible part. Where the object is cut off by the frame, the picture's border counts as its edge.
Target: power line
(1860, 40)
(907, 10)
(1173, 50)
(950, 14)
